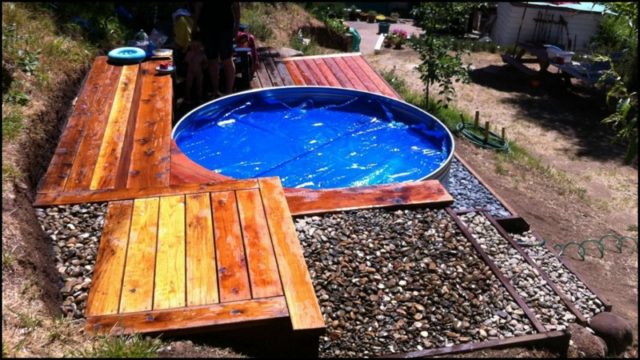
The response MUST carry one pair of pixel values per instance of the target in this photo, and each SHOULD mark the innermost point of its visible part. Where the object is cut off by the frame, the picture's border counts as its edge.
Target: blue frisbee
(127, 55)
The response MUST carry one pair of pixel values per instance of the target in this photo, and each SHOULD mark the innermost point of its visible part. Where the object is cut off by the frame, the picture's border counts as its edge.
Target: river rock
(584, 344)
(615, 331)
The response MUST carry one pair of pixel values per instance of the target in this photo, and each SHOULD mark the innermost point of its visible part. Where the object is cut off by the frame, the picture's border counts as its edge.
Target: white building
(568, 25)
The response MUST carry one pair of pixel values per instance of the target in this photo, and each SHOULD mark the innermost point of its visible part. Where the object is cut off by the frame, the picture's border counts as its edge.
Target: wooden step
(191, 260)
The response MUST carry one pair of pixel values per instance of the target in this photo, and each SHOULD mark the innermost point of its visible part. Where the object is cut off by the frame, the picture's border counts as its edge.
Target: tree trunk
(426, 95)
(632, 150)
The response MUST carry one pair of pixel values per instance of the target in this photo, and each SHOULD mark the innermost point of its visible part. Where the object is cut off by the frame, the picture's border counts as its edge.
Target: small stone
(424, 334)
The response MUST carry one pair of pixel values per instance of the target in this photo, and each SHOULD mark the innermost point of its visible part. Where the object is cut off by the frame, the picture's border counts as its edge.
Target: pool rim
(438, 174)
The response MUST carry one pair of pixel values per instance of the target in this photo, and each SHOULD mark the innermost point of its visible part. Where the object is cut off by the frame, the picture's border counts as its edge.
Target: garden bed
(579, 293)
(401, 281)
(540, 296)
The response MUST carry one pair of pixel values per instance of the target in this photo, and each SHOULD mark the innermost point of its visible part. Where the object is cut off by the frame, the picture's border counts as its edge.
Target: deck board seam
(244, 245)
(126, 253)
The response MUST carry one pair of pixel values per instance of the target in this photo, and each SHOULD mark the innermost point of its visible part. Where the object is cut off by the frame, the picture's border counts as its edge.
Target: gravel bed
(400, 281)
(469, 193)
(539, 296)
(584, 299)
(74, 232)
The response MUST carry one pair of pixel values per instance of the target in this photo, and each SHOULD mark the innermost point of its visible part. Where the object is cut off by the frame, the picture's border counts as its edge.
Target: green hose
(600, 244)
(494, 141)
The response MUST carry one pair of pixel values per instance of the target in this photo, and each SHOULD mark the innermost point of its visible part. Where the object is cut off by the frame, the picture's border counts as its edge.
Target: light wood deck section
(201, 259)
(118, 136)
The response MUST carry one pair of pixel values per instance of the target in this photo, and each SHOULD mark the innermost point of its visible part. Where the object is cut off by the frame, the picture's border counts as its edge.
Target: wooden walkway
(201, 259)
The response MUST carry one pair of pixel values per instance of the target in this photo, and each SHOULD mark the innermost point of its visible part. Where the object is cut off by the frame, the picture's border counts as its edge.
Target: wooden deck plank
(104, 295)
(430, 193)
(110, 150)
(137, 286)
(276, 80)
(383, 86)
(150, 155)
(83, 196)
(301, 298)
(169, 289)
(342, 64)
(233, 278)
(263, 270)
(296, 76)
(284, 74)
(189, 318)
(306, 73)
(361, 75)
(202, 282)
(263, 76)
(315, 72)
(62, 160)
(339, 74)
(85, 160)
(326, 72)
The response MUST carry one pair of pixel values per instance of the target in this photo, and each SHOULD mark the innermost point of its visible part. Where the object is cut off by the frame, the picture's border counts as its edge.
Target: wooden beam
(525, 340)
(429, 193)
(302, 302)
(86, 196)
(189, 317)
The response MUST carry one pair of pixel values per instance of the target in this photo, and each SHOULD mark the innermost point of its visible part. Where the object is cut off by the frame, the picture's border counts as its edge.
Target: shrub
(253, 16)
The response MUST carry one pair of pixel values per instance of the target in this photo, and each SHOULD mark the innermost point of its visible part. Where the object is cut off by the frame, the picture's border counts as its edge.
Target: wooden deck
(184, 247)
(118, 135)
(191, 260)
(117, 143)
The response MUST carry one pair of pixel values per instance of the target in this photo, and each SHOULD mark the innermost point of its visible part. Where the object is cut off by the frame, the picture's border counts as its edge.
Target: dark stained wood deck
(117, 143)
(189, 260)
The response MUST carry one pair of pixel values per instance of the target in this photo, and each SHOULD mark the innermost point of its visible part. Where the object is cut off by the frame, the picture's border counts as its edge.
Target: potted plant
(399, 37)
(388, 41)
(394, 17)
(371, 16)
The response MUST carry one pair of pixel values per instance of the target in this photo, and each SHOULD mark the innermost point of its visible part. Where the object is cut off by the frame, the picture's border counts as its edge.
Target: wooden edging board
(505, 282)
(557, 339)
(430, 193)
(87, 196)
(224, 314)
(580, 318)
(607, 305)
(514, 222)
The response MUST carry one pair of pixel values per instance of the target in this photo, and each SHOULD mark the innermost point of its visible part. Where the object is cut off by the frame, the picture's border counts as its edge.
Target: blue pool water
(315, 137)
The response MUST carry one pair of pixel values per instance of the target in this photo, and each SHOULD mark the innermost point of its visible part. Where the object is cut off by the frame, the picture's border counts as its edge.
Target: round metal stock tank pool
(316, 137)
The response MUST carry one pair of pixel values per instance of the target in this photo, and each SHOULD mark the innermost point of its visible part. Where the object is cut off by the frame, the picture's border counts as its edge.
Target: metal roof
(580, 6)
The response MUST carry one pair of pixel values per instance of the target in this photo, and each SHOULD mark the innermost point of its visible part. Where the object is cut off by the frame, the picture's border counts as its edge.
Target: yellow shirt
(182, 29)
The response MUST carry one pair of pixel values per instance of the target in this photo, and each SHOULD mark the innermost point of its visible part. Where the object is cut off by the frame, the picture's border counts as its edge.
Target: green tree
(440, 64)
(619, 33)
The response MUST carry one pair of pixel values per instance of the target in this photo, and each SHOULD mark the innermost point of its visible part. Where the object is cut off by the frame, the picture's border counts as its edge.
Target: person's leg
(229, 69)
(214, 75)
(225, 48)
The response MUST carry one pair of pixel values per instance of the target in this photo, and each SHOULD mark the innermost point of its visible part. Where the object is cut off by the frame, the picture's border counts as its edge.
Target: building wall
(505, 29)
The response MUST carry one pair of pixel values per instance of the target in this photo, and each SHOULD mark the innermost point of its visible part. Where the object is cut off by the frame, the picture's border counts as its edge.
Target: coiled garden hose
(494, 141)
(600, 243)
